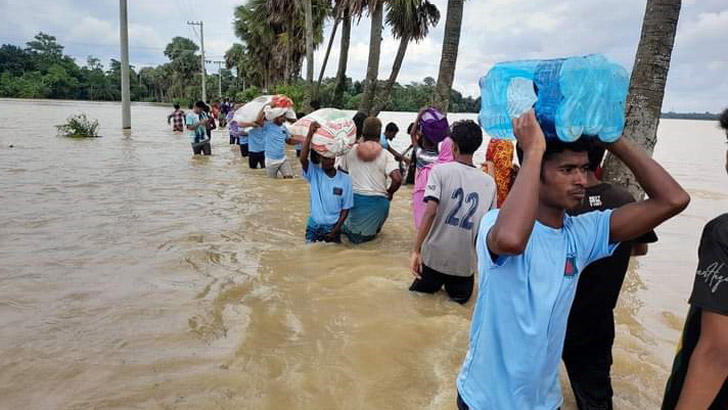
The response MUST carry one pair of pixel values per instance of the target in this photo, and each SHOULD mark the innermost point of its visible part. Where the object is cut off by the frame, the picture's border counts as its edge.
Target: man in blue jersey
(331, 194)
(530, 254)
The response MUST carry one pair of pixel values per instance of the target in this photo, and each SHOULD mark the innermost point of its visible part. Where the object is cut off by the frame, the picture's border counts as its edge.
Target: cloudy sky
(493, 30)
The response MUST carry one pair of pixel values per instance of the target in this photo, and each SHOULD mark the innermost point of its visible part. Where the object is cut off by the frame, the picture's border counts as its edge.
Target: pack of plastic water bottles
(572, 97)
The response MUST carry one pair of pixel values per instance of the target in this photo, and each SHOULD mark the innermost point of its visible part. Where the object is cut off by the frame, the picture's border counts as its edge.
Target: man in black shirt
(590, 330)
(699, 378)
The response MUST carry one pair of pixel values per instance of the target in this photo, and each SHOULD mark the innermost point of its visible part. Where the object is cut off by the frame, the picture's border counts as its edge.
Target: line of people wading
(550, 242)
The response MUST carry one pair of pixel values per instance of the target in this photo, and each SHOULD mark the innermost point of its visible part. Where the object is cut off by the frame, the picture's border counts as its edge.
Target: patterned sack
(336, 135)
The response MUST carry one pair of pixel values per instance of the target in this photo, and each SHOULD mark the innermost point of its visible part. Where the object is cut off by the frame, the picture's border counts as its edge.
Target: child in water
(330, 191)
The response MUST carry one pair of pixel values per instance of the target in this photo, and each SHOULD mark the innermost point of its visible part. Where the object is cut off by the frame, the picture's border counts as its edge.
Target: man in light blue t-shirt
(390, 133)
(530, 254)
(331, 194)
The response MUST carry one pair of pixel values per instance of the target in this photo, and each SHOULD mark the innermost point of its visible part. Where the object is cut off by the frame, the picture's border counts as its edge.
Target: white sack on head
(249, 112)
(273, 113)
(290, 114)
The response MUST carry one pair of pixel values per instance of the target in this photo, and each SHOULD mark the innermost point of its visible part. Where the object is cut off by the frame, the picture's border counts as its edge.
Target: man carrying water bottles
(530, 254)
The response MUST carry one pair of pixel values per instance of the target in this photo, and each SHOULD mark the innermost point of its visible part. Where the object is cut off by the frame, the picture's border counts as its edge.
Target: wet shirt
(600, 283)
(329, 196)
(256, 140)
(178, 120)
(369, 177)
(519, 321)
(464, 194)
(383, 141)
(198, 134)
(275, 140)
(710, 293)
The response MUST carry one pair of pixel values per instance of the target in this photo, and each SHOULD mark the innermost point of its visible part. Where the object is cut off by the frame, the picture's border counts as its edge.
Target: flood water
(135, 276)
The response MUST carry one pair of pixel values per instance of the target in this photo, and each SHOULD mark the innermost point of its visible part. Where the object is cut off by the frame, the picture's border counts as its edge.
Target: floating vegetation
(79, 126)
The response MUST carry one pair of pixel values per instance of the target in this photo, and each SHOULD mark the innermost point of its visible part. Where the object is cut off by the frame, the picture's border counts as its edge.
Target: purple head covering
(433, 125)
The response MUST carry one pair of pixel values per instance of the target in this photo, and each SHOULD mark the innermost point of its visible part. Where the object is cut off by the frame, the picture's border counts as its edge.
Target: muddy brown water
(135, 276)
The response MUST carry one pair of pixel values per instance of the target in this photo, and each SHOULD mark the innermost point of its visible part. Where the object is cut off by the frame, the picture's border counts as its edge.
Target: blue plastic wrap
(575, 96)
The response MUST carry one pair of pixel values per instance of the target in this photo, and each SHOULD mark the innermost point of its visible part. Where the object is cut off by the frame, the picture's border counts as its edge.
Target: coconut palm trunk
(396, 67)
(375, 50)
(343, 59)
(449, 57)
(308, 15)
(646, 87)
(326, 58)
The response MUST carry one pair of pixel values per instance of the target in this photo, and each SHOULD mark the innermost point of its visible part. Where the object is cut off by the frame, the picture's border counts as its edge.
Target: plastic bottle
(572, 97)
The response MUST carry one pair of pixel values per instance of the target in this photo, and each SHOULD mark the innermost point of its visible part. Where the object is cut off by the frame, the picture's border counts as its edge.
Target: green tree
(14, 60)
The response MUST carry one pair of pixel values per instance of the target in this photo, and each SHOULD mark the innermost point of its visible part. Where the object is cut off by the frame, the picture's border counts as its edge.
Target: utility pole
(125, 97)
(202, 47)
(219, 76)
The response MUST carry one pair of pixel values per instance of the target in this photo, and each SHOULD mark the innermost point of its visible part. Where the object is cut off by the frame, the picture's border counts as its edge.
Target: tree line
(42, 70)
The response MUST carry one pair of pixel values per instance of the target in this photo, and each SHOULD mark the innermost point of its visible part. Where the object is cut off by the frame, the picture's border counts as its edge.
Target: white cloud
(91, 29)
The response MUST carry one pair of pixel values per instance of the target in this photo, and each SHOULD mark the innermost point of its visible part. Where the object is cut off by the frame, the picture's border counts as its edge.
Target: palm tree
(308, 13)
(376, 13)
(410, 20)
(274, 35)
(348, 9)
(236, 57)
(336, 12)
(647, 87)
(449, 57)
(260, 42)
(343, 56)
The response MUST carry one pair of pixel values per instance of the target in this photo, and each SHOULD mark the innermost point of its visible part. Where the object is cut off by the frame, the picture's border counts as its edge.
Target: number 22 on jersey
(455, 218)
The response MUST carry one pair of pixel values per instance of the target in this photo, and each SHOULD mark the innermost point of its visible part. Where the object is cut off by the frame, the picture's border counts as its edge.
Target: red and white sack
(336, 135)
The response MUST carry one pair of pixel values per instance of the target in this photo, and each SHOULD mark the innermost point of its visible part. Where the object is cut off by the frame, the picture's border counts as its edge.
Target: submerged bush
(79, 126)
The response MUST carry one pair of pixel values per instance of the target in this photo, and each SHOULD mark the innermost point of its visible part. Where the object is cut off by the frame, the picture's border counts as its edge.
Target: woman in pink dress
(433, 126)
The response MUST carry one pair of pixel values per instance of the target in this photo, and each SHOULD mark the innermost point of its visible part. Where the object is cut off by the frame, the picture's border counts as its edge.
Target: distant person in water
(359, 119)
(276, 136)
(699, 377)
(457, 196)
(234, 135)
(177, 119)
(197, 127)
(331, 194)
(215, 112)
(370, 168)
(211, 123)
(225, 108)
(431, 131)
(238, 135)
(390, 133)
(256, 144)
